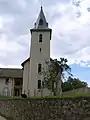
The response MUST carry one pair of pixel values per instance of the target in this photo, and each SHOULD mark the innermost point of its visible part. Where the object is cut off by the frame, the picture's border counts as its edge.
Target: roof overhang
(25, 61)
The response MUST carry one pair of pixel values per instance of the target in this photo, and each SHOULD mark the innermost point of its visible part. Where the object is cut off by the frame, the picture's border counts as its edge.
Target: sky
(69, 20)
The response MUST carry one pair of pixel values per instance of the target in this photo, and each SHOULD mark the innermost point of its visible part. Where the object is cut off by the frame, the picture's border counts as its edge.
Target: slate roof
(41, 21)
(11, 73)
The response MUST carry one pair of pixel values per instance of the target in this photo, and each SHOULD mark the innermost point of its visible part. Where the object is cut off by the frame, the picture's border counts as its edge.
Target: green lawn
(77, 94)
(9, 97)
(65, 95)
(70, 95)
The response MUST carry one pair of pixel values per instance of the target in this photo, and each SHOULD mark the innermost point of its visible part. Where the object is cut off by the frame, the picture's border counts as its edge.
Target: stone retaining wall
(46, 109)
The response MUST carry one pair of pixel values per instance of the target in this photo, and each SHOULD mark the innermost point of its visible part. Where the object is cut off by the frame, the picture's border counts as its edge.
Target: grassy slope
(65, 95)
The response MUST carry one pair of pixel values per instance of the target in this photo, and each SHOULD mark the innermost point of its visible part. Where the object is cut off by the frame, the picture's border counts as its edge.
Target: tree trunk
(58, 84)
(53, 88)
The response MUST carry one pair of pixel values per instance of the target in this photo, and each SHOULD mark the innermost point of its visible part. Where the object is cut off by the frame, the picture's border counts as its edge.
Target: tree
(61, 68)
(76, 83)
(54, 74)
(49, 75)
(73, 83)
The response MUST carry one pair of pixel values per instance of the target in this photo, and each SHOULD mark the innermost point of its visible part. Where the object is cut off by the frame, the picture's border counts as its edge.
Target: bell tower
(40, 51)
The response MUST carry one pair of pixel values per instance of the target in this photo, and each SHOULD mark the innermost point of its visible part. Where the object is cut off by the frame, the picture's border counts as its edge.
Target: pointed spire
(41, 21)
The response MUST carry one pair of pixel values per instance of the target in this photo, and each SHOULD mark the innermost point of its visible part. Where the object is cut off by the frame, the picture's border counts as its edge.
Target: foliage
(73, 83)
(54, 74)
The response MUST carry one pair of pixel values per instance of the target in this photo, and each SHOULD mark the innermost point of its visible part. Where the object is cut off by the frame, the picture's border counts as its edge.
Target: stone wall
(46, 109)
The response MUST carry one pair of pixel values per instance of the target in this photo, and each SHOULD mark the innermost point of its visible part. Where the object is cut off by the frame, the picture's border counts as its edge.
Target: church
(28, 80)
(39, 53)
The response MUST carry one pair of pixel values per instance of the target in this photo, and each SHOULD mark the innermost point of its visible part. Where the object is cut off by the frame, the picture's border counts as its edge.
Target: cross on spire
(41, 3)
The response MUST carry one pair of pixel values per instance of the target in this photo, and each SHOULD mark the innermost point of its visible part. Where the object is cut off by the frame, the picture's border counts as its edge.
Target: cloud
(10, 66)
(14, 32)
(70, 24)
(71, 36)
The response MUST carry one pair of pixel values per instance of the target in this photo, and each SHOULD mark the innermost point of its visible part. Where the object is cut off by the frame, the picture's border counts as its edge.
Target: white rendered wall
(3, 85)
(36, 57)
(26, 77)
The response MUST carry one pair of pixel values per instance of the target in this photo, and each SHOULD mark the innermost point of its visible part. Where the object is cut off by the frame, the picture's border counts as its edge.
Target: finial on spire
(41, 4)
(41, 20)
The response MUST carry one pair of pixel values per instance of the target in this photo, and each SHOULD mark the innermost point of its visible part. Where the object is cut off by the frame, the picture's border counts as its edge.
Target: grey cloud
(9, 7)
(54, 2)
(14, 59)
(70, 42)
(23, 18)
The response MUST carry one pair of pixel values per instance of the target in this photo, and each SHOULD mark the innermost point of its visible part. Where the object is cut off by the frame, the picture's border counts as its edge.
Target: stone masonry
(46, 109)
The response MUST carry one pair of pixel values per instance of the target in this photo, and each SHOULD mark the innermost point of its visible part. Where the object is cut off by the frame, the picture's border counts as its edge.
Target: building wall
(25, 77)
(36, 57)
(3, 85)
(43, 92)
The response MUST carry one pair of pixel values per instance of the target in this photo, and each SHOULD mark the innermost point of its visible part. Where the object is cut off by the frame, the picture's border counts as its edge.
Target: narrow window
(7, 81)
(40, 22)
(39, 84)
(39, 68)
(40, 50)
(40, 38)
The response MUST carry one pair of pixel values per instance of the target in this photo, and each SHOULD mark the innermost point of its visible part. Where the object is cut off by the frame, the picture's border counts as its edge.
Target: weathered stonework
(46, 109)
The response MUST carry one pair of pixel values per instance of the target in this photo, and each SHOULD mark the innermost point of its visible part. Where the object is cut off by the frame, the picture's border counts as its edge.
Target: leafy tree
(54, 74)
(73, 83)
(76, 83)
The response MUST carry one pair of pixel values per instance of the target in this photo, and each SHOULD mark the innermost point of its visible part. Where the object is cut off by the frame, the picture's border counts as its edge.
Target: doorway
(16, 92)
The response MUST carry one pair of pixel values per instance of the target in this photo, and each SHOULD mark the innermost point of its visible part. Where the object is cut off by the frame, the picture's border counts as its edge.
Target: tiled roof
(11, 73)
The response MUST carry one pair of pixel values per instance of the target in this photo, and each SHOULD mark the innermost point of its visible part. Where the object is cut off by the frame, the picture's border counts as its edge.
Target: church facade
(39, 54)
(28, 80)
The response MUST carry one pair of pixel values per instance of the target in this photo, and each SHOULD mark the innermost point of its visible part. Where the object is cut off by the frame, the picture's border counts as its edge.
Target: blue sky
(69, 20)
(82, 73)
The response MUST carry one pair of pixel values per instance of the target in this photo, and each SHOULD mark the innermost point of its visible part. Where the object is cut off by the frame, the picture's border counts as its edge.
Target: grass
(68, 95)
(65, 95)
(73, 95)
(9, 97)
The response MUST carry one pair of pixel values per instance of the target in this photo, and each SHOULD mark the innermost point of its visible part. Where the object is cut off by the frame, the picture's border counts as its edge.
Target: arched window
(40, 38)
(40, 22)
(39, 84)
(39, 68)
